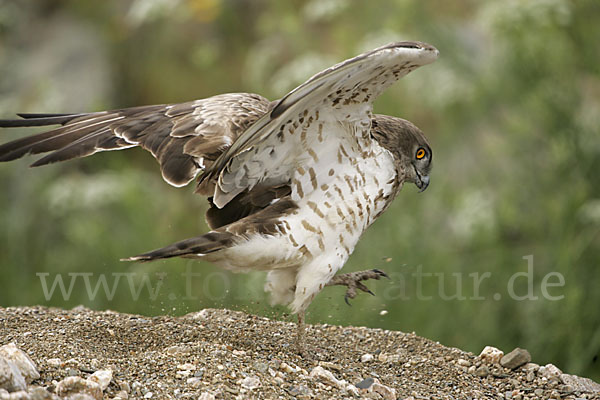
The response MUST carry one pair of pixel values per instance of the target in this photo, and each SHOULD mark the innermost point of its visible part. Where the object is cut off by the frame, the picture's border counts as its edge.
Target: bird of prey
(292, 184)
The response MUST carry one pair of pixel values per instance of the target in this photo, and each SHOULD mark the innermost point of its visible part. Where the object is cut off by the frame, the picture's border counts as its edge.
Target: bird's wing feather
(268, 151)
(184, 138)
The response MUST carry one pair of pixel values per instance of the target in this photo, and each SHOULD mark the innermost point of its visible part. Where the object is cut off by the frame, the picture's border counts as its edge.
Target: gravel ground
(222, 354)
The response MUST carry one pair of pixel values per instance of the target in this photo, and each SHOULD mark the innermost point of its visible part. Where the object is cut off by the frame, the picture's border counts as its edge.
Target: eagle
(292, 184)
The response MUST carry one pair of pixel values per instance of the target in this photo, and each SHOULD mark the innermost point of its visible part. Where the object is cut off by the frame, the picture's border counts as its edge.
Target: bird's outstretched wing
(184, 138)
(268, 152)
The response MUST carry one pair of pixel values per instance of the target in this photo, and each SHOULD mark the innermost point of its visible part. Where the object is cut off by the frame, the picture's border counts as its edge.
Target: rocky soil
(82, 354)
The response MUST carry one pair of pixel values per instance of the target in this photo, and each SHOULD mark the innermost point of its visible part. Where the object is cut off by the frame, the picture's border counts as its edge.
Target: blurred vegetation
(511, 108)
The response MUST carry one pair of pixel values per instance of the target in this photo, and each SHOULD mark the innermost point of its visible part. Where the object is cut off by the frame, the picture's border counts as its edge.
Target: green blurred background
(512, 109)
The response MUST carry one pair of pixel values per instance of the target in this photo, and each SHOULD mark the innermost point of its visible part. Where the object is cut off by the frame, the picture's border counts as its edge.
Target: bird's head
(408, 145)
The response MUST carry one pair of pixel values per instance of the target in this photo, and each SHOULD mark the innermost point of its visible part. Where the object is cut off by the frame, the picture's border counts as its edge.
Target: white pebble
(384, 391)
(383, 312)
(285, 367)
(326, 377)
(122, 395)
(491, 355)
(463, 363)
(178, 350)
(549, 371)
(250, 382)
(75, 385)
(21, 360)
(11, 378)
(366, 358)
(186, 367)
(353, 390)
(194, 381)
(54, 362)
(102, 378)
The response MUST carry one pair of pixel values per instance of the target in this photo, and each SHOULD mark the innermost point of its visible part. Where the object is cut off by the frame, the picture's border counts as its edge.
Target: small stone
(71, 362)
(300, 390)
(21, 360)
(330, 365)
(325, 376)
(531, 367)
(261, 367)
(178, 350)
(206, 396)
(384, 391)
(285, 367)
(186, 367)
(11, 378)
(554, 395)
(39, 393)
(491, 355)
(383, 312)
(463, 363)
(20, 395)
(579, 384)
(550, 371)
(122, 395)
(75, 385)
(530, 376)
(54, 362)
(482, 371)
(515, 358)
(199, 315)
(136, 387)
(194, 381)
(102, 378)
(250, 382)
(472, 369)
(366, 358)
(183, 374)
(148, 395)
(72, 372)
(365, 383)
(124, 386)
(538, 392)
(353, 390)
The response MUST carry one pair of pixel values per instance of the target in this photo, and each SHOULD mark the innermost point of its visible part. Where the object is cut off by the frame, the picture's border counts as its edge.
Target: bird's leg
(352, 280)
(300, 333)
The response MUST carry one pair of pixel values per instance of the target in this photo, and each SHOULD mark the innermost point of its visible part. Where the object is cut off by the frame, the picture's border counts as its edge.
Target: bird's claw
(381, 273)
(352, 281)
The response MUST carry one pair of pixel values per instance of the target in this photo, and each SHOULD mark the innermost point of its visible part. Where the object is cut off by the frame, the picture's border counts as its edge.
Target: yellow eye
(420, 153)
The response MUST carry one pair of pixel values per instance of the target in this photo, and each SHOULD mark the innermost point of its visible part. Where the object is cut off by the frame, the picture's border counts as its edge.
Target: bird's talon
(381, 273)
(353, 281)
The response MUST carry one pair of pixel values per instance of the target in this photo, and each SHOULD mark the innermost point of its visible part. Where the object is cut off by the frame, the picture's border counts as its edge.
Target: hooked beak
(422, 181)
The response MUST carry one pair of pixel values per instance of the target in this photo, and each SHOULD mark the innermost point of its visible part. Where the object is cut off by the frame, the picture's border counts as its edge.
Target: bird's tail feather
(201, 245)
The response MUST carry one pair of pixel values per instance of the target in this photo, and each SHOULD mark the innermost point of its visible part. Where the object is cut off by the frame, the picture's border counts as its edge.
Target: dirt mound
(227, 354)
